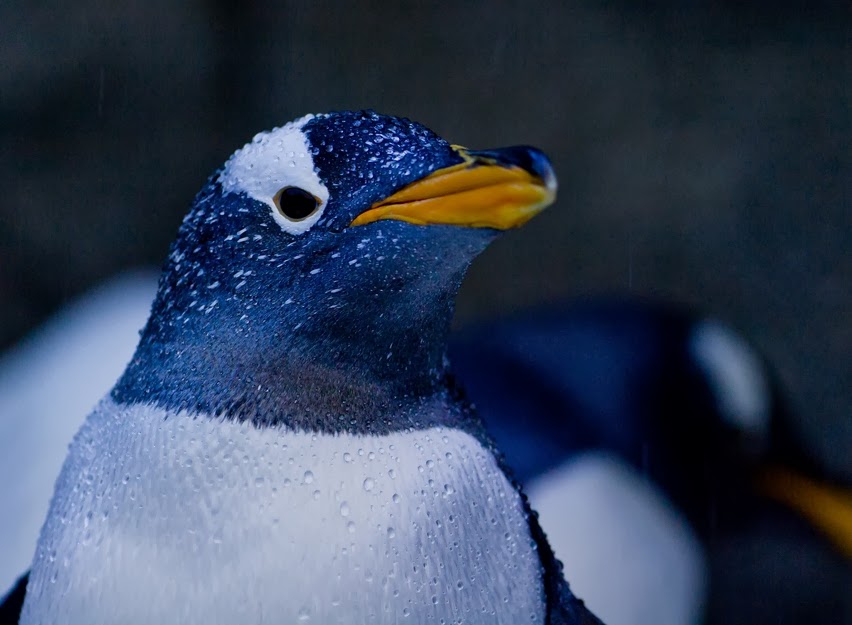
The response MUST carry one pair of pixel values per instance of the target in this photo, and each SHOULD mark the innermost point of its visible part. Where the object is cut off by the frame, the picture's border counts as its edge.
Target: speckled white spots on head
(274, 160)
(736, 376)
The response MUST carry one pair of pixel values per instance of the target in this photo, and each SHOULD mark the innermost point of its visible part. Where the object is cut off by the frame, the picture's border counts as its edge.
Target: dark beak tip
(526, 157)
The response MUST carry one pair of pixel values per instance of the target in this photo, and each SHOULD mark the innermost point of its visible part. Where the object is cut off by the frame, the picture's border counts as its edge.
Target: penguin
(670, 420)
(288, 443)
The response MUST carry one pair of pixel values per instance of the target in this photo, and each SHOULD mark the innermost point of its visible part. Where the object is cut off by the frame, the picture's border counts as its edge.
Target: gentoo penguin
(286, 444)
(652, 414)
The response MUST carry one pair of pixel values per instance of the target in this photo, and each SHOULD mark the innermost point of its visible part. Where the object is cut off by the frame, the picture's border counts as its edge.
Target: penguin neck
(349, 368)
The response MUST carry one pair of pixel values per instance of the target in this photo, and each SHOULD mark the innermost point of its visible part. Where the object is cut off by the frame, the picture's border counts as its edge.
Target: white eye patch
(736, 376)
(274, 160)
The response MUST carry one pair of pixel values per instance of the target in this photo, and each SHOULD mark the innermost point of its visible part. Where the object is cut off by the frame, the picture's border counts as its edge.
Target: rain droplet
(395, 498)
(351, 527)
(347, 457)
(304, 614)
(369, 484)
(309, 477)
(344, 509)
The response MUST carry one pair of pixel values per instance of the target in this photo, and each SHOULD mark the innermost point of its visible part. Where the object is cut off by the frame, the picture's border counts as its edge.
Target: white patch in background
(736, 376)
(49, 382)
(273, 160)
(627, 553)
(165, 518)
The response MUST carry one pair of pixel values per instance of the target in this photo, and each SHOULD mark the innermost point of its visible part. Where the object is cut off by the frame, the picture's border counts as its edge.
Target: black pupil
(296, 203)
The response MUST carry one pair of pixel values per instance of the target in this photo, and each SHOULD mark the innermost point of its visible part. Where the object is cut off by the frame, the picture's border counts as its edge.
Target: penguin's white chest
(164, 518)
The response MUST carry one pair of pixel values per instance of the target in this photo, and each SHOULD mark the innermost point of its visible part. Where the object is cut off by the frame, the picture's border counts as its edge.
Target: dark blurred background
(703, 148)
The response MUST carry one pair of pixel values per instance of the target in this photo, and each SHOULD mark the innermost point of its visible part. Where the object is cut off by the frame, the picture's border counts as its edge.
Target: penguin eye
(296, 204)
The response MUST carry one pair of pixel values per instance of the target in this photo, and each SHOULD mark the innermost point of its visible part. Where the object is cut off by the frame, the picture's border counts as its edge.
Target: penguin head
(333, 245)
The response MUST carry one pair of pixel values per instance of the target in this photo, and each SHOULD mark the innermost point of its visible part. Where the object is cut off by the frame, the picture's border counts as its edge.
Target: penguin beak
(499, 189)
(827, 507)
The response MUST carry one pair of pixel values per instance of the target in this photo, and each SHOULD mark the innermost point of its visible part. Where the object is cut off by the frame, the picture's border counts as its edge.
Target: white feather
(274, 160)
(165, 518)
